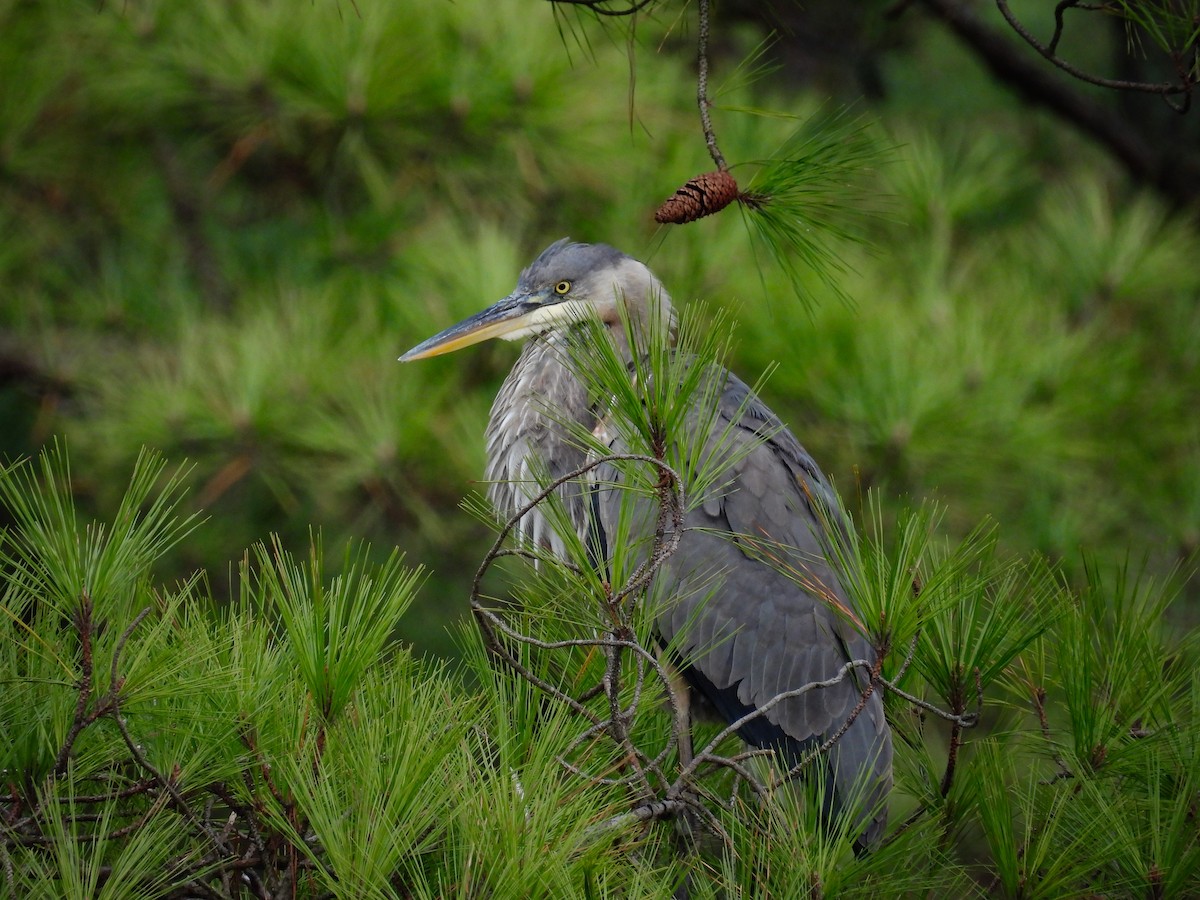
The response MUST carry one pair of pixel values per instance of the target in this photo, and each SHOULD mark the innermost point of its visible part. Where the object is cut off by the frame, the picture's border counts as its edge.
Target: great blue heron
(760, 633)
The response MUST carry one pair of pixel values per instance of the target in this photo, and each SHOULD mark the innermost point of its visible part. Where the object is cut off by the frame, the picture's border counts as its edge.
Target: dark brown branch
(83, 624)
(670, 516)
(908, 657)
(1171, 170)
(967, 720)
(138, 787)
(956, 739)
(1039, 707)
(600, 7)
(1048, 52)
(710, 138)
(951, 759)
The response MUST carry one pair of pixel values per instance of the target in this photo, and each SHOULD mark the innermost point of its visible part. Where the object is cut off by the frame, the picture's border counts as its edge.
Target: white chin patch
(556, 315)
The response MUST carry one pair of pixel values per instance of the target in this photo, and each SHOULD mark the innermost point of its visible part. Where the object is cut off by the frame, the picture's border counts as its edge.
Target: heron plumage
(760, 629)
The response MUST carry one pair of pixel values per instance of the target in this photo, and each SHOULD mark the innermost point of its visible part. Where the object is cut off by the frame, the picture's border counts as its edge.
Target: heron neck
(529, 430)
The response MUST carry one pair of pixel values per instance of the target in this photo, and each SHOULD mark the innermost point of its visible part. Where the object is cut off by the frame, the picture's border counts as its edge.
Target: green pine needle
(801, 202)
(335, 630)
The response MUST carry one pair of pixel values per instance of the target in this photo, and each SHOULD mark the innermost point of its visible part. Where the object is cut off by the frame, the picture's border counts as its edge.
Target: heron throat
(529, 436)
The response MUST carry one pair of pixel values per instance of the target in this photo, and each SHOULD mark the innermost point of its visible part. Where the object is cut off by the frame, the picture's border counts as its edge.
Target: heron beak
(516, 316)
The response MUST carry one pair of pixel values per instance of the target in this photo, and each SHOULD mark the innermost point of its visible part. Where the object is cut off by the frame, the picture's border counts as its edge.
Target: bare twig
(967, 720)
(844, 727)
(1039, 706)
(138, 787)
(115, 683)
(590, 734)
(601, 8)
(908, 657)
(1049, 52)
(1170, 167)
(734, 764)
(732, 728)
(710, 138)
(670, 517)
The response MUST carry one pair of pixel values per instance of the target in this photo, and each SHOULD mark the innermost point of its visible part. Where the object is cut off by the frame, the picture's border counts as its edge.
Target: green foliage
(335, 632)
(220, 223)
(147, 749)
(220, 226)
(801, 198)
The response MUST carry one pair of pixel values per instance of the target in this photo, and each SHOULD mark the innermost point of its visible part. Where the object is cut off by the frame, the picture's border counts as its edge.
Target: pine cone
(701, 196)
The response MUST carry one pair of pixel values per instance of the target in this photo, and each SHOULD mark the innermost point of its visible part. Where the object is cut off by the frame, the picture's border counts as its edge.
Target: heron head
(567, 283)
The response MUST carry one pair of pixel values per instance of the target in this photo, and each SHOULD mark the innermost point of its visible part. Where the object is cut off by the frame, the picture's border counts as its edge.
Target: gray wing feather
(758, 632)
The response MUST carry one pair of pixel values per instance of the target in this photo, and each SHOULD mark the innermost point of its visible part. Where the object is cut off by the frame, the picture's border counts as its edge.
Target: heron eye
(562, 287)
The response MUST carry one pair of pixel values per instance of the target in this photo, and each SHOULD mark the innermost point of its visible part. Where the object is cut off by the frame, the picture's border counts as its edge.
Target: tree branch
(601, 8)
(710, 138)
(1050, 53)
(1171, 170)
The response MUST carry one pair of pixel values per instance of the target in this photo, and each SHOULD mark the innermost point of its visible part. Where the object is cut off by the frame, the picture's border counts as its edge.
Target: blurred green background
(221, 223)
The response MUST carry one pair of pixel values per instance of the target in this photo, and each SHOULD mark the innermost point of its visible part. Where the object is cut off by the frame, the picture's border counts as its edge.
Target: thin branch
(138, 787)
(1039, 706)
(515, 518)
(956, 740)
(168, 784)
(617, 724)
(670, 516)
(710, 138)
(908, 657)
(1163, 88)
(844, 727)
(734, 764)
(531, 556)
(590, 734)
(115, 683)
(1059, 22)
(967, 720)
(83, 624)
(489, 622)
(600, 8)
(732, 728)
(1173, 170)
